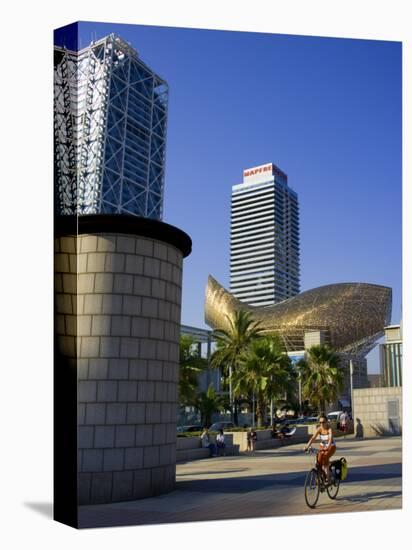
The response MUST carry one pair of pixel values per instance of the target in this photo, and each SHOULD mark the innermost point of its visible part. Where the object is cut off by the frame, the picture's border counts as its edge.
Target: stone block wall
(117, 301)
(379, 411)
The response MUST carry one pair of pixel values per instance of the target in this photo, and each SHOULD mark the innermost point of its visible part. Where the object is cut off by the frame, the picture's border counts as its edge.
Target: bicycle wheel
(312, 483)
(333, 487)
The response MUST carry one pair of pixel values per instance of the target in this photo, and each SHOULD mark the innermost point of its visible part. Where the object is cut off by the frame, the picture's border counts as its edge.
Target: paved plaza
(266, 484)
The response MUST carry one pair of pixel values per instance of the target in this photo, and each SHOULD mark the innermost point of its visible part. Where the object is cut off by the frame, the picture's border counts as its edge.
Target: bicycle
(316, 482)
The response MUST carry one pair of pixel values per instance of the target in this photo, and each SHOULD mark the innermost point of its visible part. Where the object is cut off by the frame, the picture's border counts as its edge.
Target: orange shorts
(324, 456)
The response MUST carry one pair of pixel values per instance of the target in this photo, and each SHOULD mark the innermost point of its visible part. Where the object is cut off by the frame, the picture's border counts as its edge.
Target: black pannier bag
(340, 466)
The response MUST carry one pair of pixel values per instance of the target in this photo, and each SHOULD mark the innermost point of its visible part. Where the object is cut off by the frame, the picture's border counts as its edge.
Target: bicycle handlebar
(310, 450)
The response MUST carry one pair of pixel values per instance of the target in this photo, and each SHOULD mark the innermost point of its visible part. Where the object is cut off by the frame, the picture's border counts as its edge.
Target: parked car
(192, 428)
(225, 426)
(335, 415)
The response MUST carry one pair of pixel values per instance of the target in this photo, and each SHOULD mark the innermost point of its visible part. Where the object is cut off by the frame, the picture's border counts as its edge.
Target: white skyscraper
(264, 244)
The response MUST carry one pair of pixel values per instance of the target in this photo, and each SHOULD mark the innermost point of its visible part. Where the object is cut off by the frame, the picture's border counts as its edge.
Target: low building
(377, 411)
(375, 381)
(202, 338)
(391, 356)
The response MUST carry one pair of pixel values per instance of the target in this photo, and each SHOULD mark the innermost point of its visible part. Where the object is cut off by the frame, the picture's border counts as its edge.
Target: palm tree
(191, 365)
(321, 375)
(265, 372)
(232, 344)
(207, 403)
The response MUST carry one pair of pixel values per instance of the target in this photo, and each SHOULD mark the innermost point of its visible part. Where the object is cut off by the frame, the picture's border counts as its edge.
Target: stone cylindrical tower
(117, 323)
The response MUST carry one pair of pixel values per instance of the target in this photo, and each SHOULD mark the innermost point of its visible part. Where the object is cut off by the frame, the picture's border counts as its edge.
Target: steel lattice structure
(352, 315)
(110, 122)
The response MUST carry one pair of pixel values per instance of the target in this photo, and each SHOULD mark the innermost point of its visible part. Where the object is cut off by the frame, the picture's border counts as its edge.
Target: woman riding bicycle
(327, 445)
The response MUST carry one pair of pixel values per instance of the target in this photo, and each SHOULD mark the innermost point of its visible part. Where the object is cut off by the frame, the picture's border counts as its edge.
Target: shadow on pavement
(373, 473)
(370, 496)
(263, 453)
(174, 506)
(202, 472)
(288, 479)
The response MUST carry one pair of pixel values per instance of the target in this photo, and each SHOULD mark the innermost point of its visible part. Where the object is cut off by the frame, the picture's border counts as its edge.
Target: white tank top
(324, 440)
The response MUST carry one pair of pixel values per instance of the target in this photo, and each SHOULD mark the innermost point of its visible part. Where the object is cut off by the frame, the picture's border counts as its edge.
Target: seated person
(285, 429)
(283, 432)
(206, 443)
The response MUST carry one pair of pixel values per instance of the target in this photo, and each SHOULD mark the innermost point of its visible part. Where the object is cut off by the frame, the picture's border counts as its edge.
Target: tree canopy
(321, 375)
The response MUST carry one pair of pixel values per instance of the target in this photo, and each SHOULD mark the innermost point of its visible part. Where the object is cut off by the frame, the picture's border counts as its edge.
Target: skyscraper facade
(264, 239)
(110, 119)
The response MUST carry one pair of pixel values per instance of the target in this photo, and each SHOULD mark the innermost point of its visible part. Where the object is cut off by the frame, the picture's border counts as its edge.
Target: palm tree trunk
(235, 413)
(260, 410)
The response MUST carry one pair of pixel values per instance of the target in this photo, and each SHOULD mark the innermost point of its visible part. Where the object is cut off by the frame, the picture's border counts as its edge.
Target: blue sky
(326, 111)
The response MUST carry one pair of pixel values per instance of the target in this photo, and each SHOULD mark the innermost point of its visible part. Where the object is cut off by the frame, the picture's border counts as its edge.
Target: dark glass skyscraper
(110, 118)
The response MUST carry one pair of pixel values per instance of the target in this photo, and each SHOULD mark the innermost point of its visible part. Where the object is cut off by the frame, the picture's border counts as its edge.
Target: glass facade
(110, 122)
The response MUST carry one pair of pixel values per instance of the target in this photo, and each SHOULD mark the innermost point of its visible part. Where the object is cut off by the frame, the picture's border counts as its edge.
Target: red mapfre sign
(258, 170)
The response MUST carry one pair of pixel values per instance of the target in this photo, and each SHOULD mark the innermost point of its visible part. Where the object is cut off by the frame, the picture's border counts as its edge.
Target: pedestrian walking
(220, 443)
(343, 423)
(251, 439)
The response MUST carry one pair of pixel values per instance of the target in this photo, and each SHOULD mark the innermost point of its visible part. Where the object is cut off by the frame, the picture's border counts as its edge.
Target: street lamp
(230, 393)
(351, 384)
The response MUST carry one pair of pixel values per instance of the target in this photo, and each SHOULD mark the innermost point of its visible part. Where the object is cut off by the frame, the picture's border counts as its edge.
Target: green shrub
(189, 434)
